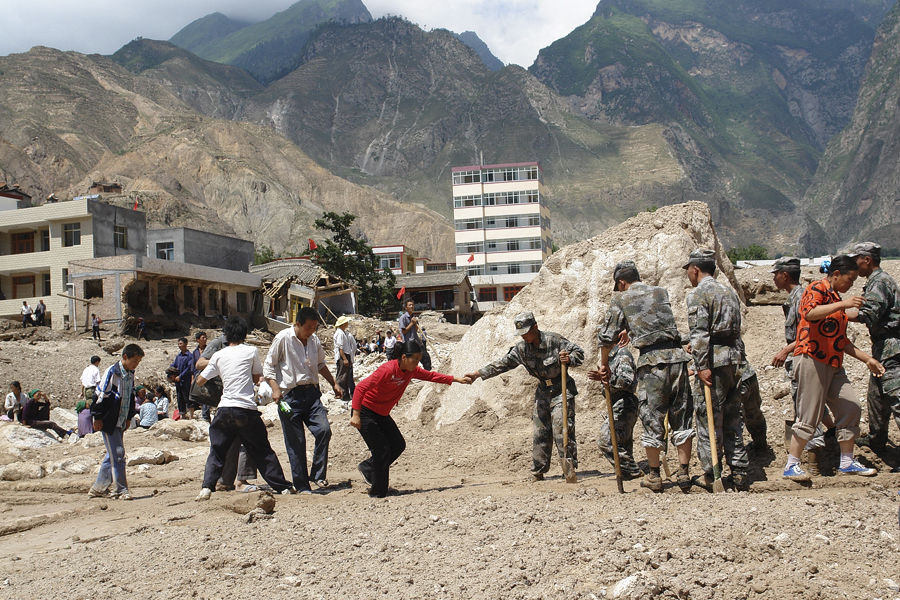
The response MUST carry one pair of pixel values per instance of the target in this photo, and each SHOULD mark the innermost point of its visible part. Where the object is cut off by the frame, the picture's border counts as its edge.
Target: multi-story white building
(502, 228)
(398, 259)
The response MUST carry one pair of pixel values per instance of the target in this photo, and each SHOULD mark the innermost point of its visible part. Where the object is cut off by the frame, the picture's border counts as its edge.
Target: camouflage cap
(866, 249)
(524, 322)
(623, 266)
(786, 263)
(700, 255)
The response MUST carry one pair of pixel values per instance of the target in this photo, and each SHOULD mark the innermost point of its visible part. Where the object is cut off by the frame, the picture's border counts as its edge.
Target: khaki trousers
(819, 385)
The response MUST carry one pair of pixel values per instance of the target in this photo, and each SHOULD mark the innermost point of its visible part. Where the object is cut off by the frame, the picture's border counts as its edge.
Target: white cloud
(514, 29)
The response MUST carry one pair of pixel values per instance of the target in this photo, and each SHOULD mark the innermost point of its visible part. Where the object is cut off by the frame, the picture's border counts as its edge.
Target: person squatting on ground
(112, 411)
(542, 353)
(237, 417)
(183, 370)
(370, 413)
(344, 354)
(714, 318)
(881, 315)
(663, 387)
(409, 330)
(292, 368)
(786, 275)
(819, 366)
(622, 384)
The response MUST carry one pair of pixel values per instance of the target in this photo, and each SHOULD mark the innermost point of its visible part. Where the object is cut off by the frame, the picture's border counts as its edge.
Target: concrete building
(37, 243)
(13, 197)
(448, 292)
(185, 245)
(399, 259)
(502, 228)
(121, 288)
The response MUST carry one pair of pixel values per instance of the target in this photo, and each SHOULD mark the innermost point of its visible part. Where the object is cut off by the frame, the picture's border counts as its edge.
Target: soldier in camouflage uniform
(751, 406)
(881, 314)
(714, 317)
(542, 353)
(622, 384)
(786, 275)
(663, 385)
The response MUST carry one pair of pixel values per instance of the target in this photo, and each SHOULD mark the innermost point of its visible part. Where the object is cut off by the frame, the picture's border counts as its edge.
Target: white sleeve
(212, 369)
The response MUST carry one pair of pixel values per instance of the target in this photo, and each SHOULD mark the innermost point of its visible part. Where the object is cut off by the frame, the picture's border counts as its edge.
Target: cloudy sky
(514, 29)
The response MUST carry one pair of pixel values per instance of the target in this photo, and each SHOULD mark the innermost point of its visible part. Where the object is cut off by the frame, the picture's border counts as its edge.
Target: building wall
(202, 248)
(106, 218)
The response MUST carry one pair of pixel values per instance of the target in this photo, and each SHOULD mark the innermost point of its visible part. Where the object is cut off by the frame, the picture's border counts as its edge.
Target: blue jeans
(306, 409)
(112, 469)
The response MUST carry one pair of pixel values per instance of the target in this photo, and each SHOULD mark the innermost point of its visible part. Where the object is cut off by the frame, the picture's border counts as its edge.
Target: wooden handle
(613, 440)
(565, 411)
(711, 425)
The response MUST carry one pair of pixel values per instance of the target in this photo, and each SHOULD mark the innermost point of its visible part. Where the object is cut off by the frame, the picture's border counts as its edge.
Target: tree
(264, 254)
(347, 256)
(751, 252)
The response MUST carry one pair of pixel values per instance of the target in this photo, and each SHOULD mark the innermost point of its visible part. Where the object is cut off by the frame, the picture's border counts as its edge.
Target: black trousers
(386, 444)
(246, 425)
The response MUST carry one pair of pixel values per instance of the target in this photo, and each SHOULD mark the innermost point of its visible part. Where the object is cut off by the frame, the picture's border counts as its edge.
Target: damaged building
(288, 284)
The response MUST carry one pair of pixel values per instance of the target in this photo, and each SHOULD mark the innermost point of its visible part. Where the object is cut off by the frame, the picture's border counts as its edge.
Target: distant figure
(147, 415)
(141, 328)
(90, 379)
(162, 403)
(39, 311)
(36, 407)
(409, 330)
(85, 423)
(183, 371)
(389, 342)
(201, 339)
(95, 327)
(26, 315)
(344, 355)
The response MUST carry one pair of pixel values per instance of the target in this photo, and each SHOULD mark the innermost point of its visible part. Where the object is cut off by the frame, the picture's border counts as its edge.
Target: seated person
(37, 406)
(15, 400)
(147, 416)
(162, 403)
(85, 422)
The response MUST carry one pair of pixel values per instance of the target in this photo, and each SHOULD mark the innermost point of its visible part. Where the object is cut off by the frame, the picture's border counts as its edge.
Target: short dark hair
(182, 339)
(160, 390)
(307, 313)
(706, 266)
(95, 359)
(841, 263)
(235, 330)
(16, 385)
(132, 350)
(628, 275)
(408, 348)
(199, 335)
(408, 300)
(794, 274)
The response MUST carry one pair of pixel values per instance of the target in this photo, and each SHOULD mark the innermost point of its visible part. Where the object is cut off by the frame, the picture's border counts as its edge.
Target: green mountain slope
(202, 36)
(471, 39)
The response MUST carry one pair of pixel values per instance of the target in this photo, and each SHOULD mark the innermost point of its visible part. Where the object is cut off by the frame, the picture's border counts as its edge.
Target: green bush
(751, 252)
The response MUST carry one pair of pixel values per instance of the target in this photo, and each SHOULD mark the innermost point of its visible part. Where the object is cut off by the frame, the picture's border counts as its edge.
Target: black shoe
(741, 482)
(683, 479)
(872, 443)
(365, 475)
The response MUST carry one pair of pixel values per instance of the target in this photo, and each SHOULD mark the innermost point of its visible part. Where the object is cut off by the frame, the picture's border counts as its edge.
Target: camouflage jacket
(746, 370)
(541, 360)
(881, 314)
(714, 317)
(646, 313)
(791, 310)
(621, 367)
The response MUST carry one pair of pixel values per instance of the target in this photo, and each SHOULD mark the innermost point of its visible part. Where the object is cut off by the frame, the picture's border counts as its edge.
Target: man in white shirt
(344, 353)
(26, 315)
(292, 368)
(90, 379)
(237, 417)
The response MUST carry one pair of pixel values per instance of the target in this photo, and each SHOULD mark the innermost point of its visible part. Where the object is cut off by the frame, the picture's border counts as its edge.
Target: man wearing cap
(786, 276)
(881, 314)
(714, 318)
(663, 387)
(542, 353)
(344, 353)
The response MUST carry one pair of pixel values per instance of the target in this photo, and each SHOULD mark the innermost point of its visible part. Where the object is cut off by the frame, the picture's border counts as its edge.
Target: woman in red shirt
(818, 366)
(373, 400)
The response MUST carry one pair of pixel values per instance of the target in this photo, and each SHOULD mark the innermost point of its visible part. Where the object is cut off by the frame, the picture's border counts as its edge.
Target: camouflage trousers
(751, 408)
(547, 427)
(726, 418)
(817, 441)
(883, 398)
(625, 413)
(664, 389)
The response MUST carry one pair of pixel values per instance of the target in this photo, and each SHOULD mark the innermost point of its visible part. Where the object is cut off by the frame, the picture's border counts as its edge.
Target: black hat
(786, 263)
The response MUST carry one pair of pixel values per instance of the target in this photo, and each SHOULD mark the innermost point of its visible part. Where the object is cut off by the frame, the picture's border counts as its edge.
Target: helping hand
(465, 379)
(854, 302)
(473, 376)
(779, 359)
(875, 367)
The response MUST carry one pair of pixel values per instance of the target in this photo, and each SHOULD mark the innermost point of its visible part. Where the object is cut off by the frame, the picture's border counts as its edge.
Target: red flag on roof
(312, 244)
(471, 258)
(135, 207)
(401, 292)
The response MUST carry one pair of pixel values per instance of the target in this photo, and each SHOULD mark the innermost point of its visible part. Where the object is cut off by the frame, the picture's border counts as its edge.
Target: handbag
(176, 415)
(210, 393)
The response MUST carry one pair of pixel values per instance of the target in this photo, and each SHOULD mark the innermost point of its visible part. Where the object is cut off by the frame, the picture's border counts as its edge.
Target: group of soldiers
(665, 385)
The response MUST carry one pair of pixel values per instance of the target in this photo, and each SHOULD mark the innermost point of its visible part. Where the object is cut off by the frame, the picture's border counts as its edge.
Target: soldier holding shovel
(543, 354)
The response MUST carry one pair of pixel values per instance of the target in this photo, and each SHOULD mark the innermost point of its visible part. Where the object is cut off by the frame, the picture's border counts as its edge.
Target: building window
(22, 243)
(390, 261)
(23, 286)
(71, 234)
(479, 270)
(213, 304)
(470, 247)
(462, 177)
(487, 294)
(46, 284)
(189, 298)
(241, 302)
(464, 224)
(165, 250)
(65, 279)
(510, 291)
(120, 237)
(93, 288)
(45, 240)
(464, 201)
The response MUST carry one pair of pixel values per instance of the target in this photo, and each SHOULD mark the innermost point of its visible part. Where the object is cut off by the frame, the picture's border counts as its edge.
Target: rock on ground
(145, 455)
(65, 418)
(570, 296)
(19, 471)
(195, 430)
(244, 503)
(24, 438)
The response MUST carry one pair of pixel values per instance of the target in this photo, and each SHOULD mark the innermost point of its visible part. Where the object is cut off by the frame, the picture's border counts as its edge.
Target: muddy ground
(467, 523)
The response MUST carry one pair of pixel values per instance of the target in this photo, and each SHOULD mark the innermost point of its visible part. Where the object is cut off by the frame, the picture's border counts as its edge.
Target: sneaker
(854, 468)
(365, 475)
(204, 494)
(322, 483)
(95, 493)
(741, 482)
(125, 495)
(250, 488)
(652, 481)
(291, 491)
(795, 473)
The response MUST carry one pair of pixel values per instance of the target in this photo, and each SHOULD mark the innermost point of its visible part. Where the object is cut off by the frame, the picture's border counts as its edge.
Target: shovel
(665, 453)
(613, 440)
(718, 486)
(568, 465)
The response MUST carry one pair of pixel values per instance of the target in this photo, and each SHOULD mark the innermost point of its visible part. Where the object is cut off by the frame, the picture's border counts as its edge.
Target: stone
(269, 414)
(183, 429)
(244, 503)
(19, 471)
(201, 431)
(26, 438)
(639, 585)
(570, 296)
(92, 440)
(78, 465)
(64, 417)
(145, 455)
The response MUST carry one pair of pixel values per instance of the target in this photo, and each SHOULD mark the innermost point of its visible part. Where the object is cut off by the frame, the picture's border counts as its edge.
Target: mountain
(67, 119)
(853, 196)
(269, 49)
(471, 39)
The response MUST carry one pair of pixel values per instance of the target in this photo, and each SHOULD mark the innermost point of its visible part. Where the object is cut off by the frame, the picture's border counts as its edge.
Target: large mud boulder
(184, 429)
(64, 417)
(20, 471)
(19, 437)
(145, 455)
(570, 296)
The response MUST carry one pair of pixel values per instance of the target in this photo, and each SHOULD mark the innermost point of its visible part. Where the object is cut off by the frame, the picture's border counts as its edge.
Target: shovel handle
(613, 440)
(711, 425)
